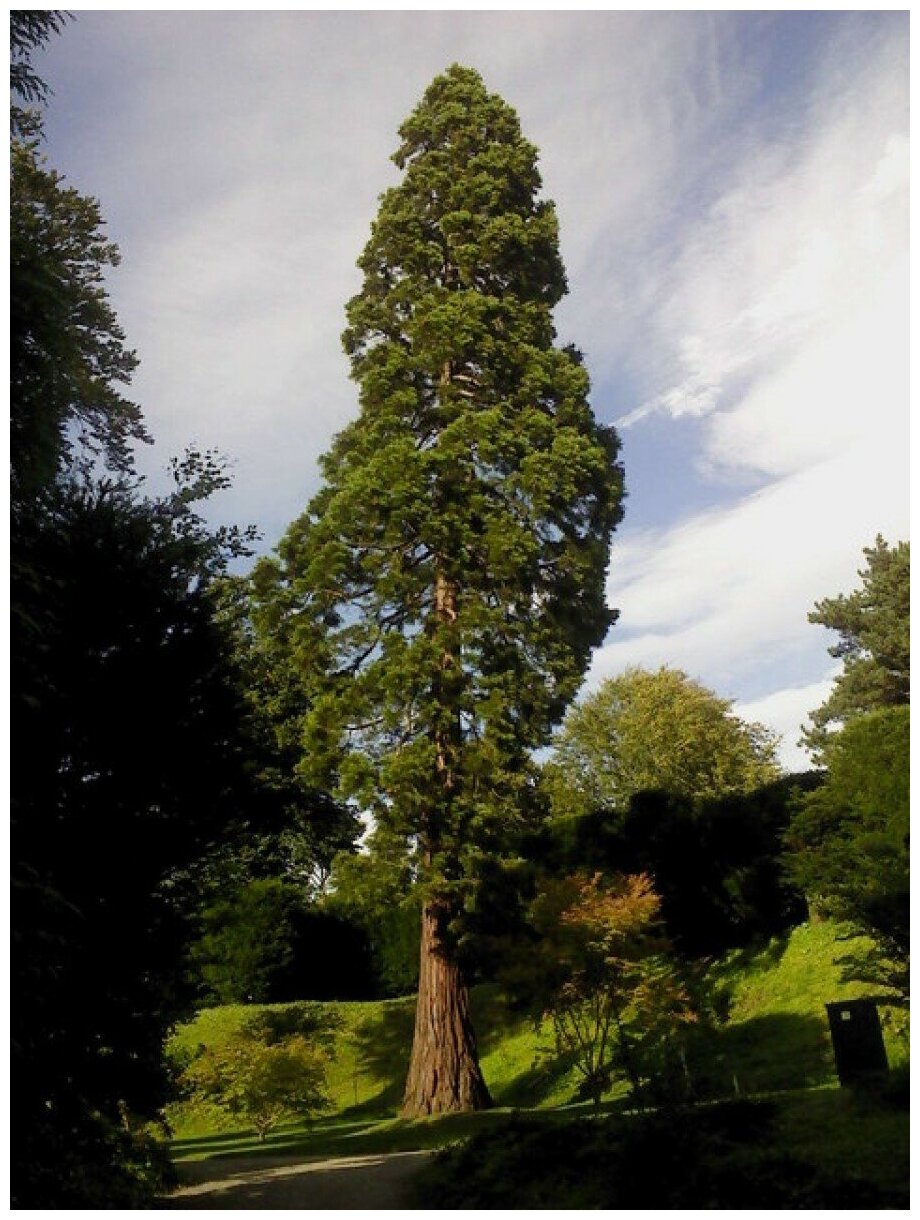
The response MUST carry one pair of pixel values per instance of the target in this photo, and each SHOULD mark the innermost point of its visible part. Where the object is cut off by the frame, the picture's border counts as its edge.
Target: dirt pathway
(359, 1183)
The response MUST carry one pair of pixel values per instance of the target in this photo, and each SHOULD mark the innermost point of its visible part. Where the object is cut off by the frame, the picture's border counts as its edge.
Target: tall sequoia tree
(447, 583)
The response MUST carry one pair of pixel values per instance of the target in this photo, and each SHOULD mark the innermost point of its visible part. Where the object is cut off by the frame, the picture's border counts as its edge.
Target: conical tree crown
(447, 584)
(464, 219)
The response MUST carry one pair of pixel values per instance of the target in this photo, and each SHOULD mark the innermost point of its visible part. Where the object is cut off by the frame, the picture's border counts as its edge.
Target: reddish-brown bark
(444, 1074)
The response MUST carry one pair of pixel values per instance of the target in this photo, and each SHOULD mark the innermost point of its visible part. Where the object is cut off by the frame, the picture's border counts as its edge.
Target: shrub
(714, 1157)
(271, 1070)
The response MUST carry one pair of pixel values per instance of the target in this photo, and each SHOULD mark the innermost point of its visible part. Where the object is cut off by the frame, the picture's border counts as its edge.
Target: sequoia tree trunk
(444, 1073)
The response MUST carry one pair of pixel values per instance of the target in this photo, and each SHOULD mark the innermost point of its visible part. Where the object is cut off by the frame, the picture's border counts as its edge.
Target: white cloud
(238, 157)
(785, 711)
(726, 594)
(846, 388)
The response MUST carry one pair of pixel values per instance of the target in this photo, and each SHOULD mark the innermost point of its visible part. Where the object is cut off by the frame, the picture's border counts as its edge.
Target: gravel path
(359, 1183)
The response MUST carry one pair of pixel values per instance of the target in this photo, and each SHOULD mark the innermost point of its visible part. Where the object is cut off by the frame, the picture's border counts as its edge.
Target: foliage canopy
(273, 1068)
(446, 585)
(602, 972)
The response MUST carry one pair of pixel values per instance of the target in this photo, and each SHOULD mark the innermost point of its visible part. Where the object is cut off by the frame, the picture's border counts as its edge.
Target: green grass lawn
(775, 1040)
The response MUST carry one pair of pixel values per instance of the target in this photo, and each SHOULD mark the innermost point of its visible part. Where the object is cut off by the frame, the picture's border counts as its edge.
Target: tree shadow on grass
(382, 1047)
(493, 1017)
(245, 1142)
(764, 1054)
(538, 1083)
(500, 1021)
(753, 960)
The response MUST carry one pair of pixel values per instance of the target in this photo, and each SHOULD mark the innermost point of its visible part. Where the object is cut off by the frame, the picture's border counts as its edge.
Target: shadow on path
(355, 1183)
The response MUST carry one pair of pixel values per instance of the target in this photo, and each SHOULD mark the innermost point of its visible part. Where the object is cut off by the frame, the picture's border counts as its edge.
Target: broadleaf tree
(660, 730)
(269, 1070)
(444, 589)
(601, 972)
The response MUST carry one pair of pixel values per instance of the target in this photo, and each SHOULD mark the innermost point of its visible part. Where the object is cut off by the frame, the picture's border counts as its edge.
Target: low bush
(721, 1156)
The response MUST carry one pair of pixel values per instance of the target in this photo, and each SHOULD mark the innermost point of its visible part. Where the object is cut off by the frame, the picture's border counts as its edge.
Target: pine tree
(446, 585)
(873, 623)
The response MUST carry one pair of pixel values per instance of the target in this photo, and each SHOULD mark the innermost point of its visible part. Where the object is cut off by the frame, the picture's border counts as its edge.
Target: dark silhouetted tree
(68, 360)
(130, 735)
(717, 864)
(132, 763)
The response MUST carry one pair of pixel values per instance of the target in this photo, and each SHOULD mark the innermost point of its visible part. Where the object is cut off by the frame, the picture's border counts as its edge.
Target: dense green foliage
(654, 731)
(442, 592)
(307, 829)
(262, 942)
(246, 942)
(849, 842)
(376, 892)
(717, 864)
(873, 624)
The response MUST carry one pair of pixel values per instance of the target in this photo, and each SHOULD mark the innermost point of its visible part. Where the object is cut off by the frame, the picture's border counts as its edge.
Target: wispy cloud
(787, 322)
(239, 156)
(727, 593)
(801, 228)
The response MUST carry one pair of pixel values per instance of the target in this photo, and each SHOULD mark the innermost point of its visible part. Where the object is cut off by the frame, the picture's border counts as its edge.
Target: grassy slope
(776, 1039)
(777, 1036)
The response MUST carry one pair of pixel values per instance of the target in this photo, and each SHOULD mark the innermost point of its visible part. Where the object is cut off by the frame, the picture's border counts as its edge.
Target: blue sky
(732, 197)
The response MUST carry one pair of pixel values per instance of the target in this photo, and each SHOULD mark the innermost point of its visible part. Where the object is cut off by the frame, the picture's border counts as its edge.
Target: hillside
(775, 1038)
